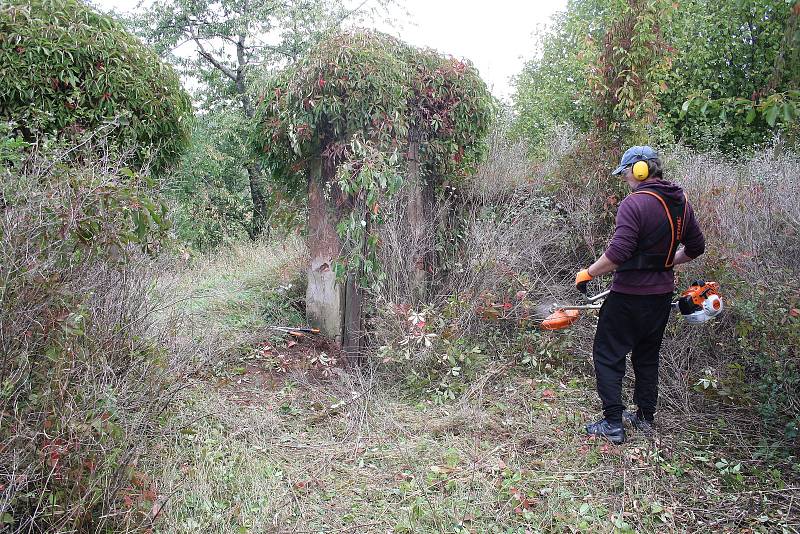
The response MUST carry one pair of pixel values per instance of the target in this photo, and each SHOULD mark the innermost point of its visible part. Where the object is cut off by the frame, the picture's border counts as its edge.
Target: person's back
(641, 217)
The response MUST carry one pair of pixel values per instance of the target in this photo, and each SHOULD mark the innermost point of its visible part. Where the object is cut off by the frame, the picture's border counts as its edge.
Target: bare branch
(349, 14)
(211, 59)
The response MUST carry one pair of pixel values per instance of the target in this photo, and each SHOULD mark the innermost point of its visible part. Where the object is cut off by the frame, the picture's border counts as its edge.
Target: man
(651, 223)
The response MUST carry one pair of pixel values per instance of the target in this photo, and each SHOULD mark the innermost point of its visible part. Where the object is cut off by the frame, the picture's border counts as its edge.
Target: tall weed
(88, 365)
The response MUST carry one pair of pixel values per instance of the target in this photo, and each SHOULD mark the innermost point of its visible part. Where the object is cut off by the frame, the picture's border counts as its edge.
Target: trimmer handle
(601, 295)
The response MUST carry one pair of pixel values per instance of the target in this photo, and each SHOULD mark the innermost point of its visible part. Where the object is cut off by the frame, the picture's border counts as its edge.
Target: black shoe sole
(614, 441)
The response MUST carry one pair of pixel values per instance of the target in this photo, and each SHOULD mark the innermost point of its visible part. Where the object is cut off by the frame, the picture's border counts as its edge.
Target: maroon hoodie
(639, 216)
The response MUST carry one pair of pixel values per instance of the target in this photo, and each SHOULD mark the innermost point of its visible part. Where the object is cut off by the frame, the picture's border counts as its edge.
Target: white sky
(496, 35)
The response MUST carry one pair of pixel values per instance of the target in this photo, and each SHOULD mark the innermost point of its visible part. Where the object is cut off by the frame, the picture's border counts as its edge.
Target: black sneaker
(639, 423)
(614, 432)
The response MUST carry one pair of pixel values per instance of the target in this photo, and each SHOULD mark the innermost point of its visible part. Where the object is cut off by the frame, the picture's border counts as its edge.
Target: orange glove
(582, 279)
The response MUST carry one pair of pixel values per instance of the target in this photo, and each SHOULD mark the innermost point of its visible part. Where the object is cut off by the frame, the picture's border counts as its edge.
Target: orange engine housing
(699, 291)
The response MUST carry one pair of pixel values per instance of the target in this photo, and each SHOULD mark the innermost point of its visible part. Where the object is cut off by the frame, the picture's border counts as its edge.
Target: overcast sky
(496, 35)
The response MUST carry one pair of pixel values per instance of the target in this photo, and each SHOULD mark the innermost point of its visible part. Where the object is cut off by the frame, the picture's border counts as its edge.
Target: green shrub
(65, 68)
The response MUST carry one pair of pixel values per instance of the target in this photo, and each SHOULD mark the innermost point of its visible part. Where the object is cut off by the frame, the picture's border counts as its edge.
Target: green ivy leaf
(771, 114)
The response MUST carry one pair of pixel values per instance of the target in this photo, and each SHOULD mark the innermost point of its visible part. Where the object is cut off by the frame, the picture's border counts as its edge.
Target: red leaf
(89, 464)
(138, 479)
(149, 495)
(548, 395)
(794, 312)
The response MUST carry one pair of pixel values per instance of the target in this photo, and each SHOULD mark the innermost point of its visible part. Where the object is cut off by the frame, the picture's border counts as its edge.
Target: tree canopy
(238, 45)
(370, 87)
(708, 74)
(66, 68)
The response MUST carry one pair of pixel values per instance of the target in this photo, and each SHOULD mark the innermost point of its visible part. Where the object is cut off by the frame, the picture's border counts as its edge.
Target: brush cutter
(701, 302)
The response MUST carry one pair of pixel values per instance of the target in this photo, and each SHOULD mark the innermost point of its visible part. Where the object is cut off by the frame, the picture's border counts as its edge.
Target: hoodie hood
(667, 189)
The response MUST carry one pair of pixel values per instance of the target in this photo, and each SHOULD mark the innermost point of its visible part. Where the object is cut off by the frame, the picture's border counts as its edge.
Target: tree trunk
(352, 321)
(325, 299)
(418, 220)
(255, 174)
(335, 308)
(260, 213)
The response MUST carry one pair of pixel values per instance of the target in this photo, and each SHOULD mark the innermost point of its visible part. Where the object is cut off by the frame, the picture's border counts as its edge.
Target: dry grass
(511, 455)
(749, 208)
(260, 450)
(89, 359)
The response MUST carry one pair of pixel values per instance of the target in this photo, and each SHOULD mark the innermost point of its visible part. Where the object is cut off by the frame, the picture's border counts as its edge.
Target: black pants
(635, 324)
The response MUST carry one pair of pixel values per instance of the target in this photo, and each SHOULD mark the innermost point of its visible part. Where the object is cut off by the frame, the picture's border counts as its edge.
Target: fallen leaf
(291, 343)
(149, 494)
(548, 395)
(441, 470)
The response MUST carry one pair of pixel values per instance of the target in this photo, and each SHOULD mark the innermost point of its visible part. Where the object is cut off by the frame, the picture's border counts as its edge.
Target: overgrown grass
(483, 430)
(244, 286)
(259, 449)
(509, 457)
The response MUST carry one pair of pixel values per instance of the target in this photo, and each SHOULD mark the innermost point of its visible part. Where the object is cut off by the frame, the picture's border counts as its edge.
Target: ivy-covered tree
(359, 117)
(65, 68)
(626, 70)
(236, 43)
(602, 66)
